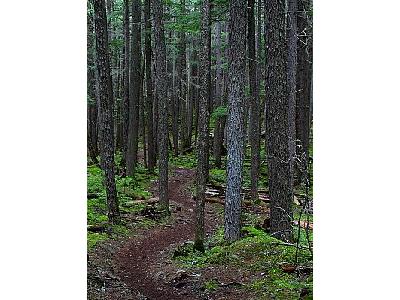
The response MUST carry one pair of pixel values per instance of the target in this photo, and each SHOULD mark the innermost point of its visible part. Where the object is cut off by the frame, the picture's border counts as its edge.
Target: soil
(141, 266)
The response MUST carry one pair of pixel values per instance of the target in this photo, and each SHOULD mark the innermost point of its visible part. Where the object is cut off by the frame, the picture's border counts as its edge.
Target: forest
(199, 149)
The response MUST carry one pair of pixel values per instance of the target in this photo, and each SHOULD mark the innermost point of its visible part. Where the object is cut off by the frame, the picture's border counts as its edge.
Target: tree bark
(134, 90)
(183, 79)
(218, 131)
(202, 141)
(149, 88)
(278, 153)
(304, 81)
(292, 64)
(106, 107)
(236, 99)
(254, 133)
(91, 94)
(174, 96)
(161, 92)
(125, 103)
(193, 91)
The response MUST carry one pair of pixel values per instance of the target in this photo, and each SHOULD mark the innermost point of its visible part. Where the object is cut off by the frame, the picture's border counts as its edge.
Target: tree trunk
(142, 118)
(149, 88)
(182, 85)
(292, 64)
(202, 141)
(236, 99)
(260, 56)
(161, 92)
(193, 90)
(174, 97)
(218, 131)
(106, 107)
(125, 103)
(254, 133)
(134, 90)
(278, 153)
(91, 95)
(304, 81)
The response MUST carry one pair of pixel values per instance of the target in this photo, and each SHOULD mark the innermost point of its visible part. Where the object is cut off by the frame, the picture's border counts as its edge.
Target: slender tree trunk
(149, 88)
(218, 131)
(174, 97)
(292, 64)
(304, 81)
(134, 90)
(125, 101)
(142, 118)
(91, 94)
(278, 134)
(120, 103)
(161, 92)
(155, 112)
(202, 141)
(259, 51)
(182, 85)
(193, 91)
(106, 106)
(254, 103)
(236, 99)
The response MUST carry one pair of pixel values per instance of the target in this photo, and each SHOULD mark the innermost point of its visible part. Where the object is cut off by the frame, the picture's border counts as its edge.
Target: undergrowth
(259, 254)
(128, 190)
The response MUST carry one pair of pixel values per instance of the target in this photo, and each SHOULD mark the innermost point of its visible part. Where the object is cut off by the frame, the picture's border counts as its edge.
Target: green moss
(211, 285)
(93, 238)
(188, 161)
(128, 189)
(264, 255)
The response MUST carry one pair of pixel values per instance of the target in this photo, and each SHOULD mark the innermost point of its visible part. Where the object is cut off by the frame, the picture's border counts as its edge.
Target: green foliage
(128, 188)
(94, 180)
(218, 112)
(188, 161)
(217, 176)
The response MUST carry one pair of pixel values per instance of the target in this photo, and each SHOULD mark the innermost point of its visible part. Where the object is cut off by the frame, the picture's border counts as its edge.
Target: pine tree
(202, 141)
(236, 103)
(106, 109)
(161, 94)
(278, 133)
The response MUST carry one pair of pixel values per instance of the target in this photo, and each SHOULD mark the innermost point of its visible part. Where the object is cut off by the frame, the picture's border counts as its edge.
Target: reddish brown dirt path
(144, 263)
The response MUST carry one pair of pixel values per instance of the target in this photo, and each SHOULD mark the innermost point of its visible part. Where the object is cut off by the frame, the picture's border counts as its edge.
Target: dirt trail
(143, 263)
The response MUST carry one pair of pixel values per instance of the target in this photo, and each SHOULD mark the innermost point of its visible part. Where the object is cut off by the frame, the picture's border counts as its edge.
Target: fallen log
(219, 201)
(96, 228)
(92, 195)
(148, 201)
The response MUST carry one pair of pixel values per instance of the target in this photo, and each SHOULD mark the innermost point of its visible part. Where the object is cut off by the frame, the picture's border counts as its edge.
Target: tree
(91, 94)
(235, 131)
(134, 90)
(125, 105)
(291, 73)
(149, 88)
(106, 108)
(254, 103)
(182, 83)
(304, 80)
(202, 140)
(218, 131)
(193, 89)
(161, 94)
(278, 153)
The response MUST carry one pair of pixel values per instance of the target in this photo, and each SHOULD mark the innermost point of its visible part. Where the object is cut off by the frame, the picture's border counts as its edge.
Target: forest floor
(140, 267)
(154, 259)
